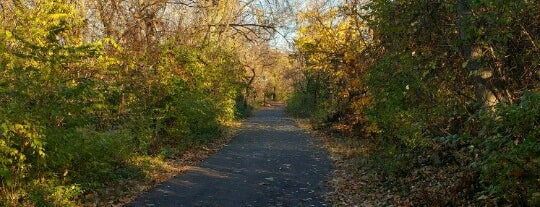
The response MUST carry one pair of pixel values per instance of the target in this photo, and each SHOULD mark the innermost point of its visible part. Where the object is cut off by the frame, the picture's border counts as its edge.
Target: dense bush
(451, 84)
(73, 113)
(296, 105)
(509, 140)
(304, 102)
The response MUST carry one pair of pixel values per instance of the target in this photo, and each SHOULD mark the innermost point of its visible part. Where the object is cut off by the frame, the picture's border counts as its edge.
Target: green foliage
(21, 148)
(443, 83)
(311, 98)
(73, 113)
(398, 109)
(43, 95)
(298, 104)
(510, 145)
(51, 192)
(81, 160)
(305, 100)
(241, 108)
(393, 162)
(200, 97)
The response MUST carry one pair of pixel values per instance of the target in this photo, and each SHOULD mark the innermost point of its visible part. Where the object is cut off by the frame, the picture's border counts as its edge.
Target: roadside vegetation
(428, 103)
(423, 103)
(96, 96)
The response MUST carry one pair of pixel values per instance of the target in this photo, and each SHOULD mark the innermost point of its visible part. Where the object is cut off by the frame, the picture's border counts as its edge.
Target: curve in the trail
(271, 162)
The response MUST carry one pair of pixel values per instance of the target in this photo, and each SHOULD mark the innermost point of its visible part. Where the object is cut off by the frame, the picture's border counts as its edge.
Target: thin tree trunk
(316, 90)
(248, 88)
(106, 18)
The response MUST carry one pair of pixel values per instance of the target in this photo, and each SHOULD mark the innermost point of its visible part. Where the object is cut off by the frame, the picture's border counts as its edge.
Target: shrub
(21, 145)
(298, 104)
(509, 138)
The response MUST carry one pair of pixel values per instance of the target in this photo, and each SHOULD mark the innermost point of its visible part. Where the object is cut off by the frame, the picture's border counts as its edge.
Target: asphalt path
(271, 162)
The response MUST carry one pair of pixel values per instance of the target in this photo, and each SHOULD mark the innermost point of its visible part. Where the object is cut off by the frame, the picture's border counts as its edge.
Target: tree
(429, 78)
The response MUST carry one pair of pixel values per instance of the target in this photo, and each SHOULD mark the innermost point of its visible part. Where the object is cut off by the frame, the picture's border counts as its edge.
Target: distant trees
(431, 76)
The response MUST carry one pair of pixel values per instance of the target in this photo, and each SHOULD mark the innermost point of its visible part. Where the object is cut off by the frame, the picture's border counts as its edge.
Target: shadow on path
(271, 162)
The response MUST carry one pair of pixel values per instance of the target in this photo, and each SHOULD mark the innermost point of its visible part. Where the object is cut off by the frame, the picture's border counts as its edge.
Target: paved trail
(271, 162)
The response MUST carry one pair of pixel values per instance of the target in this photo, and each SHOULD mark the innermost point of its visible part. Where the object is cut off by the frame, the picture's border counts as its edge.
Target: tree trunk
(473, 53)
(248, 91)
